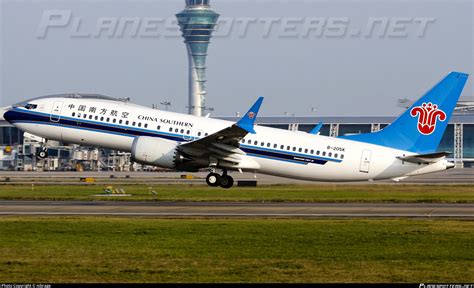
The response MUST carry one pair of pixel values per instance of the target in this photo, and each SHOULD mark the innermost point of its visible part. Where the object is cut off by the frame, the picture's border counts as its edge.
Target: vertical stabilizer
(421, 127)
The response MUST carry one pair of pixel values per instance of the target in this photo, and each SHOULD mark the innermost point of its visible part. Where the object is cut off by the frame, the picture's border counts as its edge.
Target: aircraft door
(365, 161)
(56, 111)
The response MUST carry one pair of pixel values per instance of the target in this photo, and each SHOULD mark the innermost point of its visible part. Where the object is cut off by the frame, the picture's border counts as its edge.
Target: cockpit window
(31, 106)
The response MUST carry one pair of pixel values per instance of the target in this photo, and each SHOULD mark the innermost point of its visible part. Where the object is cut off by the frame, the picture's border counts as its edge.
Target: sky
(306, 57)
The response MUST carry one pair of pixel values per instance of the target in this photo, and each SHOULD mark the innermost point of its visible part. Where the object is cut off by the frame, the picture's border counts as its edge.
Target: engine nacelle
(156, 152)
(165, 153)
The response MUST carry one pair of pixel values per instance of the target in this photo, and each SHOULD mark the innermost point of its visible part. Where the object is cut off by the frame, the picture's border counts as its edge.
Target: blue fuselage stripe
(20, 116)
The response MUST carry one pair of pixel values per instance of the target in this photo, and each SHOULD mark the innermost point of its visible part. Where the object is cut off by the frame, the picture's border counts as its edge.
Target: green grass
(264, 250)
(276, 193)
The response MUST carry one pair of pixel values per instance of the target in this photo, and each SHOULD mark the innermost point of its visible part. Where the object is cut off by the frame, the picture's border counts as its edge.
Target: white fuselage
(299, 155)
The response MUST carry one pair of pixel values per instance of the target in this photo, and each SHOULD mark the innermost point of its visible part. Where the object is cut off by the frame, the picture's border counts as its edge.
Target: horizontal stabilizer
(424, 158)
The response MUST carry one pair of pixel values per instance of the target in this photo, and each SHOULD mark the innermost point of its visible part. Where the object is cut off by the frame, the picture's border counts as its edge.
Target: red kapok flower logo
(428, 115)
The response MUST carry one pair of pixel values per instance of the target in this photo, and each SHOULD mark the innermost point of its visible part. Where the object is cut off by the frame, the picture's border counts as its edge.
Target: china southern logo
(428, 115)
(251, 115)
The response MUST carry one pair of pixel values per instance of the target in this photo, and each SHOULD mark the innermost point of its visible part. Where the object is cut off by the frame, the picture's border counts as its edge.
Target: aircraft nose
(4, 112)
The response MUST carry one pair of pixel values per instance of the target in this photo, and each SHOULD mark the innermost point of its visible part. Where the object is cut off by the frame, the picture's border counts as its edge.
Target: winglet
(248, 121)
(317, 129)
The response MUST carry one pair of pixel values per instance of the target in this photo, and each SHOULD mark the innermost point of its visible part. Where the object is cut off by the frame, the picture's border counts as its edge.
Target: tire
(213, 179)
(43, 154)
(227, 182)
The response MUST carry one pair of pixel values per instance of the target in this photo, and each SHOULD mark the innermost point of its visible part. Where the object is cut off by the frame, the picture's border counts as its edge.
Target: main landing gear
(216, 180)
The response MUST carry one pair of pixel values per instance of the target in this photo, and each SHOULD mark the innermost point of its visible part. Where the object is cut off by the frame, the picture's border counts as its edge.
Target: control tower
(197, 22)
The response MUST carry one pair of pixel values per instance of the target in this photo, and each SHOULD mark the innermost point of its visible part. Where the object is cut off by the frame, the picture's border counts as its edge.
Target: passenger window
(255, 143)
(188, 132)
(268, 145)
(146, 125)
(318, 152)
(312, 152)
(305, 150)
(288, 148)
(114, 120)
(171, 129)
(294, 148)
(96, 118)
(139, 124)
(324, 153)
(108, 119)
(330, 154)
(300, 150)
(134, 123)
(120, 121)
(79, 115)
(90, 117)
(158, 128)
(282, 147)
(182, 131)
(249, 142)
(199, 133)
(73, 114)
(275, 146)
(85, 116)
(335, 155)
(128, 122)
(207, 134)
(102, 119)
(342, 156)
(262, 144)
(176, 130)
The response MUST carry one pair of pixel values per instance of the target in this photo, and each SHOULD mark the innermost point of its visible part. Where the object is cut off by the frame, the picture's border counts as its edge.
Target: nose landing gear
(43, 154)
(215, 180)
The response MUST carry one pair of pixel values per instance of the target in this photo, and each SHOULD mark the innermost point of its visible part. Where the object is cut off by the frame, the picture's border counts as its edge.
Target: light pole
(292, 126)
(166, 104)
(210, 109)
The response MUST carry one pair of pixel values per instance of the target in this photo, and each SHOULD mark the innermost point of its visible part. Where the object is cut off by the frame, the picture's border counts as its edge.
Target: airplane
(406, 147)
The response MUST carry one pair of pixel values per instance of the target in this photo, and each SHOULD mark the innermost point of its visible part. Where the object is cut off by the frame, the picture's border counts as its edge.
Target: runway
(453, 176)
(236, 209)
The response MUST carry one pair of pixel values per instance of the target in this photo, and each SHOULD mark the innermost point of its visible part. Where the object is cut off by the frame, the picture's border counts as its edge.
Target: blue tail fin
(422, 126)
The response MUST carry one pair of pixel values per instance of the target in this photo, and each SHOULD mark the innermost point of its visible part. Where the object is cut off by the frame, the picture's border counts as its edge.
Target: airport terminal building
(19, 153)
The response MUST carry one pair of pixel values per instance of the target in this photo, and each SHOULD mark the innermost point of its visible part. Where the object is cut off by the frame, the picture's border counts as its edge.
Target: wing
(223, 146)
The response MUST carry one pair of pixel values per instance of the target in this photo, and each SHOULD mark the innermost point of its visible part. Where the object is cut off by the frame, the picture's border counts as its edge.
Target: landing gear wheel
(227, 181)
(213, 179)
(43, 154)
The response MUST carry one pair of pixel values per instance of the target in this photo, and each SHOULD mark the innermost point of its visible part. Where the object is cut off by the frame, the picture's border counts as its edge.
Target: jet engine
(163, 153)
